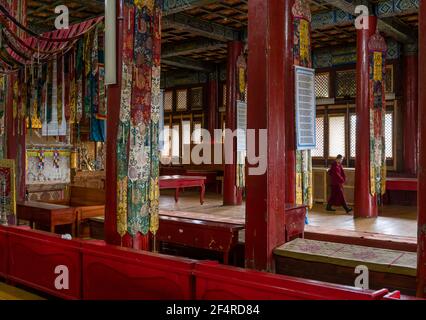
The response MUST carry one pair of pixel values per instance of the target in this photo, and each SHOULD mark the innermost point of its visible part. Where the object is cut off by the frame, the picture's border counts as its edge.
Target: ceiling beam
(389, 27)
(200, 27)
(187, 63)
(189, 47)
(176, 6)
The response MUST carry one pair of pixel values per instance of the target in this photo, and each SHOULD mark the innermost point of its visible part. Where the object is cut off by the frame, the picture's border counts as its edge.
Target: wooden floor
(12, 293)
(393, 220)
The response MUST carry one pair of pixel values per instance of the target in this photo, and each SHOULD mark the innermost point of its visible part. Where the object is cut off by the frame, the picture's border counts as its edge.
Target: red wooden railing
(101, 271)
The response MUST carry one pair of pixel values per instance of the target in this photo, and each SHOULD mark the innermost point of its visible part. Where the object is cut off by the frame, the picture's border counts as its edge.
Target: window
(186, 138)
(336, 135)
(352, 130)
(166, 149)
(182, 100)
(168, 101)
(345, 83)
(197, 98)
(319, 151)
(197, 133)
(322, 85)
(389, 135)
(175, 141)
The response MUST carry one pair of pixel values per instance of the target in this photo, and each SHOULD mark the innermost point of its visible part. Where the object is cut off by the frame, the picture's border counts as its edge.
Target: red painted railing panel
(3, 252)
(33, 257)
(114, 273)
(214, 281)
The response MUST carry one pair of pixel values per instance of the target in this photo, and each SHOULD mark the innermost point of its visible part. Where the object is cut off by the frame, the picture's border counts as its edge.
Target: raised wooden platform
(336, 263)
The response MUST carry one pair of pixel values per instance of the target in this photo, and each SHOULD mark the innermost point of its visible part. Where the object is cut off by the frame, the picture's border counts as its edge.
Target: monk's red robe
(337, 179)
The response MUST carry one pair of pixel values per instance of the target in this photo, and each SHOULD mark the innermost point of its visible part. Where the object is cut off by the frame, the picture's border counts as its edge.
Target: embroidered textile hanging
(302, 57)
(241, 96)
(138, 136)
(377, 56)
(3, 91)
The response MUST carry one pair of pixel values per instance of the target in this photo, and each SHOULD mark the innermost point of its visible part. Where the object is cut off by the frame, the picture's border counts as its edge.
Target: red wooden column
(231, 195)
(421, 201)
(212, 103)
(267, 94)
(410, 113)
(365, 204)
(290, 129)
(114, 94)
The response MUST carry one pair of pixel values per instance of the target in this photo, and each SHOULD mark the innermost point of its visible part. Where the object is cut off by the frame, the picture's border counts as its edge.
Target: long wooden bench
(219, 282)
(114, 273)
(336, 262)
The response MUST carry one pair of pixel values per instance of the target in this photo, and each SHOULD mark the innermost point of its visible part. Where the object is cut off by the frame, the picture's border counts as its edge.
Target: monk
(337, 179)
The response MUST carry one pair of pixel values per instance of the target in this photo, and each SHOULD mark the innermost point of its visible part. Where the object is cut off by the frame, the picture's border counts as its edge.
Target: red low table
(404, 184)
(177, 182)
(399, 184)
(294, 221)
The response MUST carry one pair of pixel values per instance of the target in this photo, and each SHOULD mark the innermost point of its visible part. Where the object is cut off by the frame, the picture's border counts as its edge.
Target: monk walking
(337, 179)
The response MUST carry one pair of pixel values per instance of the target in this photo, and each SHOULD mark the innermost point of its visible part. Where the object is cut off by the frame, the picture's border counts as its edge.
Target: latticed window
(389, 135)
(336, 136)
(346, 83)
(389, 79)
(224, 96)
(168, 101)
(182, 100)
(186, 138)
(196, 98)
(319, 150)
(322, 85)
(352, 130)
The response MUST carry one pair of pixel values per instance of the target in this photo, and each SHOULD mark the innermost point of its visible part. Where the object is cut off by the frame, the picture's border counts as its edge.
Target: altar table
(176, 182)
(399, 184)
(46, 215)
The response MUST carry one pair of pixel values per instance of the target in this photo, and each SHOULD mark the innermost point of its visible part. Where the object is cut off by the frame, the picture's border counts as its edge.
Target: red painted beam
(365, 204)
(265, 220)
(421, 203)
(410, 114)
(230, 192)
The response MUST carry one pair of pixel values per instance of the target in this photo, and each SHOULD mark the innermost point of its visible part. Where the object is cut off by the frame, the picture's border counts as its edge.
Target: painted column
(267, 95)
(290, 129)
(231, 194)
(365, 204)
(421, 203)
(212, 103)
(410, 113)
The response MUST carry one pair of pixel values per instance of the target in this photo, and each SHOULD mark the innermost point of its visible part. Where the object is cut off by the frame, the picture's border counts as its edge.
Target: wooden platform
(336, 263)
(12, 293)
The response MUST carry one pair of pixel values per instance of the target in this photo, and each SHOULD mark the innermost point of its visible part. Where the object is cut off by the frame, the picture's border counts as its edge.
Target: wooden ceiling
(195, 37)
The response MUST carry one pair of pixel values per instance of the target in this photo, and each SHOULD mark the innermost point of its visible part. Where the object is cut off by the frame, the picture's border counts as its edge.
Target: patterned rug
(376, 259)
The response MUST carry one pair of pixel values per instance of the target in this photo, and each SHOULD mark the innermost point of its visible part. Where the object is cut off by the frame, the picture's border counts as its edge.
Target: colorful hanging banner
(302, 57)
(377, 48)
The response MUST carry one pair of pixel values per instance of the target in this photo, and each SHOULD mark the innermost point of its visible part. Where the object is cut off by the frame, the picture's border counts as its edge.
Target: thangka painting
(7, 186)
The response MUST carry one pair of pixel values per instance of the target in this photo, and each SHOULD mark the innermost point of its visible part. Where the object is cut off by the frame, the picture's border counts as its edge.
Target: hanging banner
(241, 126)
(305, 108)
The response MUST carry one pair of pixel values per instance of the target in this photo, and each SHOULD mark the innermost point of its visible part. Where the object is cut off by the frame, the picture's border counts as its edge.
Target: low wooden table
(294, 221)
(399, 184)
(46, 215)
(201, 234)
(176, 182)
